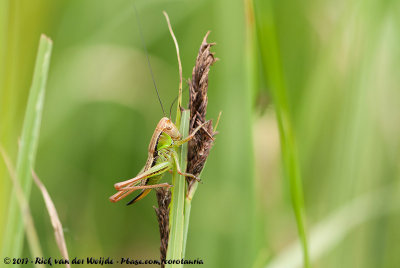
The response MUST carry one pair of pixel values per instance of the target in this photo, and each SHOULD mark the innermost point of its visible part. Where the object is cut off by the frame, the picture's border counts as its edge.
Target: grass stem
(176, 241)
(13, 238)
(271, 60)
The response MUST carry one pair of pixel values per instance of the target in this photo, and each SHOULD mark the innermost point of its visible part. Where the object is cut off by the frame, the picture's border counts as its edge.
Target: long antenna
(176, 98)
(172, 104)
(148, 59)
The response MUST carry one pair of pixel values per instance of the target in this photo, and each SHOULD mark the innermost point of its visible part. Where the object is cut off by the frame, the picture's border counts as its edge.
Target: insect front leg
(188, 138)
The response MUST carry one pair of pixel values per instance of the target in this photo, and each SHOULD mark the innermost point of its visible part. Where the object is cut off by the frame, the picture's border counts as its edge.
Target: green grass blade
(188, 208)
(175, 243)
(13, 240)
(271, 62)
(26, 214)
(4, 13)
(337, 225)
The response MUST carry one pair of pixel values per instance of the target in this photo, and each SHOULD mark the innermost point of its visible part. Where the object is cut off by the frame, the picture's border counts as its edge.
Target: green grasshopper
(162, 154)
(162, 157)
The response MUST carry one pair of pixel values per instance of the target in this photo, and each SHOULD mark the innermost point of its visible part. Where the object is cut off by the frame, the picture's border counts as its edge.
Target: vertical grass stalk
(13, 240)
(175, 244)
(26, 215)
(188, 207)
(270, 59)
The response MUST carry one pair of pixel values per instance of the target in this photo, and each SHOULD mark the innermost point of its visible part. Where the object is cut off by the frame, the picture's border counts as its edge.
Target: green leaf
(13, 240)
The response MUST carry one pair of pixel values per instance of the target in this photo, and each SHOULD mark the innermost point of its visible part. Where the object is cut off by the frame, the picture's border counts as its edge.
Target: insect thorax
(164, 141)
(164, 155)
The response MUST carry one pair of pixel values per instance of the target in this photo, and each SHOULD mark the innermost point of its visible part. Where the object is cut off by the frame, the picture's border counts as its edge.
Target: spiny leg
(151, 172)
(119, 195)
(191, 136)
(129, 189)
(189, 175)
(151, 186)
(178, 168)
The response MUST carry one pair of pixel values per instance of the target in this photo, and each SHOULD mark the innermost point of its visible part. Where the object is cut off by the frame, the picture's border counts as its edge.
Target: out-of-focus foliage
(339, 63)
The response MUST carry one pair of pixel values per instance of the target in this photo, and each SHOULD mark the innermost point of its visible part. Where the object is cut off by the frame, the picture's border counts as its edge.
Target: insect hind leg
(129, 189)
(153, 171)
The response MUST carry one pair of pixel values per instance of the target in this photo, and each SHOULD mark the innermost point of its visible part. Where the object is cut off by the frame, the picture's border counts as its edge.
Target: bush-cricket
(162, 154)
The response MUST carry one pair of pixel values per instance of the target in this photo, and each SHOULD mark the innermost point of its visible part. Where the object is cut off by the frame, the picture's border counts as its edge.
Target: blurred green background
(340, 64)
